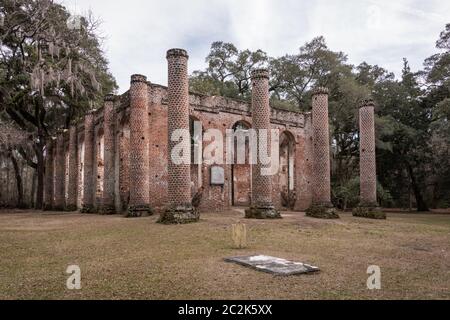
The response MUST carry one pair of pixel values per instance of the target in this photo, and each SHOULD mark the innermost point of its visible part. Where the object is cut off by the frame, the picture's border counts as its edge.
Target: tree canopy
(52, 69)
(412, 114)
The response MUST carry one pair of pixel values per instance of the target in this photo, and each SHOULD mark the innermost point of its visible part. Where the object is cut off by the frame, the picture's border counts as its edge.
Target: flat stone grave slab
(273, 265)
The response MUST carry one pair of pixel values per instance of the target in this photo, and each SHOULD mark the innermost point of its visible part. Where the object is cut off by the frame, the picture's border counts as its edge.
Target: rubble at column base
(139, 211)
(88, 209)
(369, 212)
(179, 215)
(108, 210)
(71, 208)
(322, 212)
(268, 212)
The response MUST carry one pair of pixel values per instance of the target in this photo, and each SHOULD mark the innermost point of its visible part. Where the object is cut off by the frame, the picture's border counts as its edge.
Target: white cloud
(381, 32)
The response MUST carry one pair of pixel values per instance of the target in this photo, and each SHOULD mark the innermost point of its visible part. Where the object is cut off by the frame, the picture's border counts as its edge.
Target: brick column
(108, 205)
(88, 174)
(262, 205)
(139, 149)
(49, 176)
(60, 174)
(368, 167)
(73, 169)
(124, 167)
(322, 206)
(368, 207)
(180, 208)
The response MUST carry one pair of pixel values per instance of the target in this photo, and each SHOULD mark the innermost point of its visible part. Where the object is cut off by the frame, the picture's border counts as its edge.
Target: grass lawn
(139, 259)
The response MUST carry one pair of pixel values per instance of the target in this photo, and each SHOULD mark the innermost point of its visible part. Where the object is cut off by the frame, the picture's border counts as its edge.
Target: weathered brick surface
(321, 138)
(140, 173)
(117, 135)
(98, 166)
(262, 184)
(242, 185)
(72, 188)
(214, 113)
(180, 209)
(139, 147)
(304, 166)
(60, 174)
(88, 165)
(179, 175)
(80, 166)
(222, 114)
(124, 165)
(262, 204)
(284, 183)
(368, 170)
(49, 176)
(108, 200)
(158, 146)
(215, 198)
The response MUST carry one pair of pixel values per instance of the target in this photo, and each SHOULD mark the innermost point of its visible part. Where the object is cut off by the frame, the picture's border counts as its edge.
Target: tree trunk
(436, 193)
(410, 201)
(33, 190)
(19, 184)
(8, 181)
(421, 204)
(40, 171)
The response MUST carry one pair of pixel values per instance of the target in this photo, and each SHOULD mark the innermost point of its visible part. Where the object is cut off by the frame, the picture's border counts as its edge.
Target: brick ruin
(117, 160)
(368, 165)
(262, 204)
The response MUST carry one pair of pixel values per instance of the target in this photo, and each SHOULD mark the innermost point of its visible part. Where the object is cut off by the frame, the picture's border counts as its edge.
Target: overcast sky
(139, 32)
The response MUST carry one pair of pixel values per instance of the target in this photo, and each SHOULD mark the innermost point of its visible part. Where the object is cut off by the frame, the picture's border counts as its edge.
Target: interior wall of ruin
(214, 113)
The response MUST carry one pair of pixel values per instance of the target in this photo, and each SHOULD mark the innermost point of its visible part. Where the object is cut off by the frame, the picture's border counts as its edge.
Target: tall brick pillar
(180, 208)
(60, 174)
(139, 149)
(368, 166)
(108, 204)
(322, 206)
(73, 170)
(49, 176)
(88, 172)
(262, 205)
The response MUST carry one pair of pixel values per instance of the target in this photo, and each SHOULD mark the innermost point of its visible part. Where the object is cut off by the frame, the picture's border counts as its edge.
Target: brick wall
(108, 196)
(89, 177)
(214, 113)
(72, 188)
(60, 173)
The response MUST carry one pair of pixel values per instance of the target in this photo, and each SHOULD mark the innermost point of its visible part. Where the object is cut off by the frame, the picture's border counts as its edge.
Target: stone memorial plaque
(274, 265)
(217, 176)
